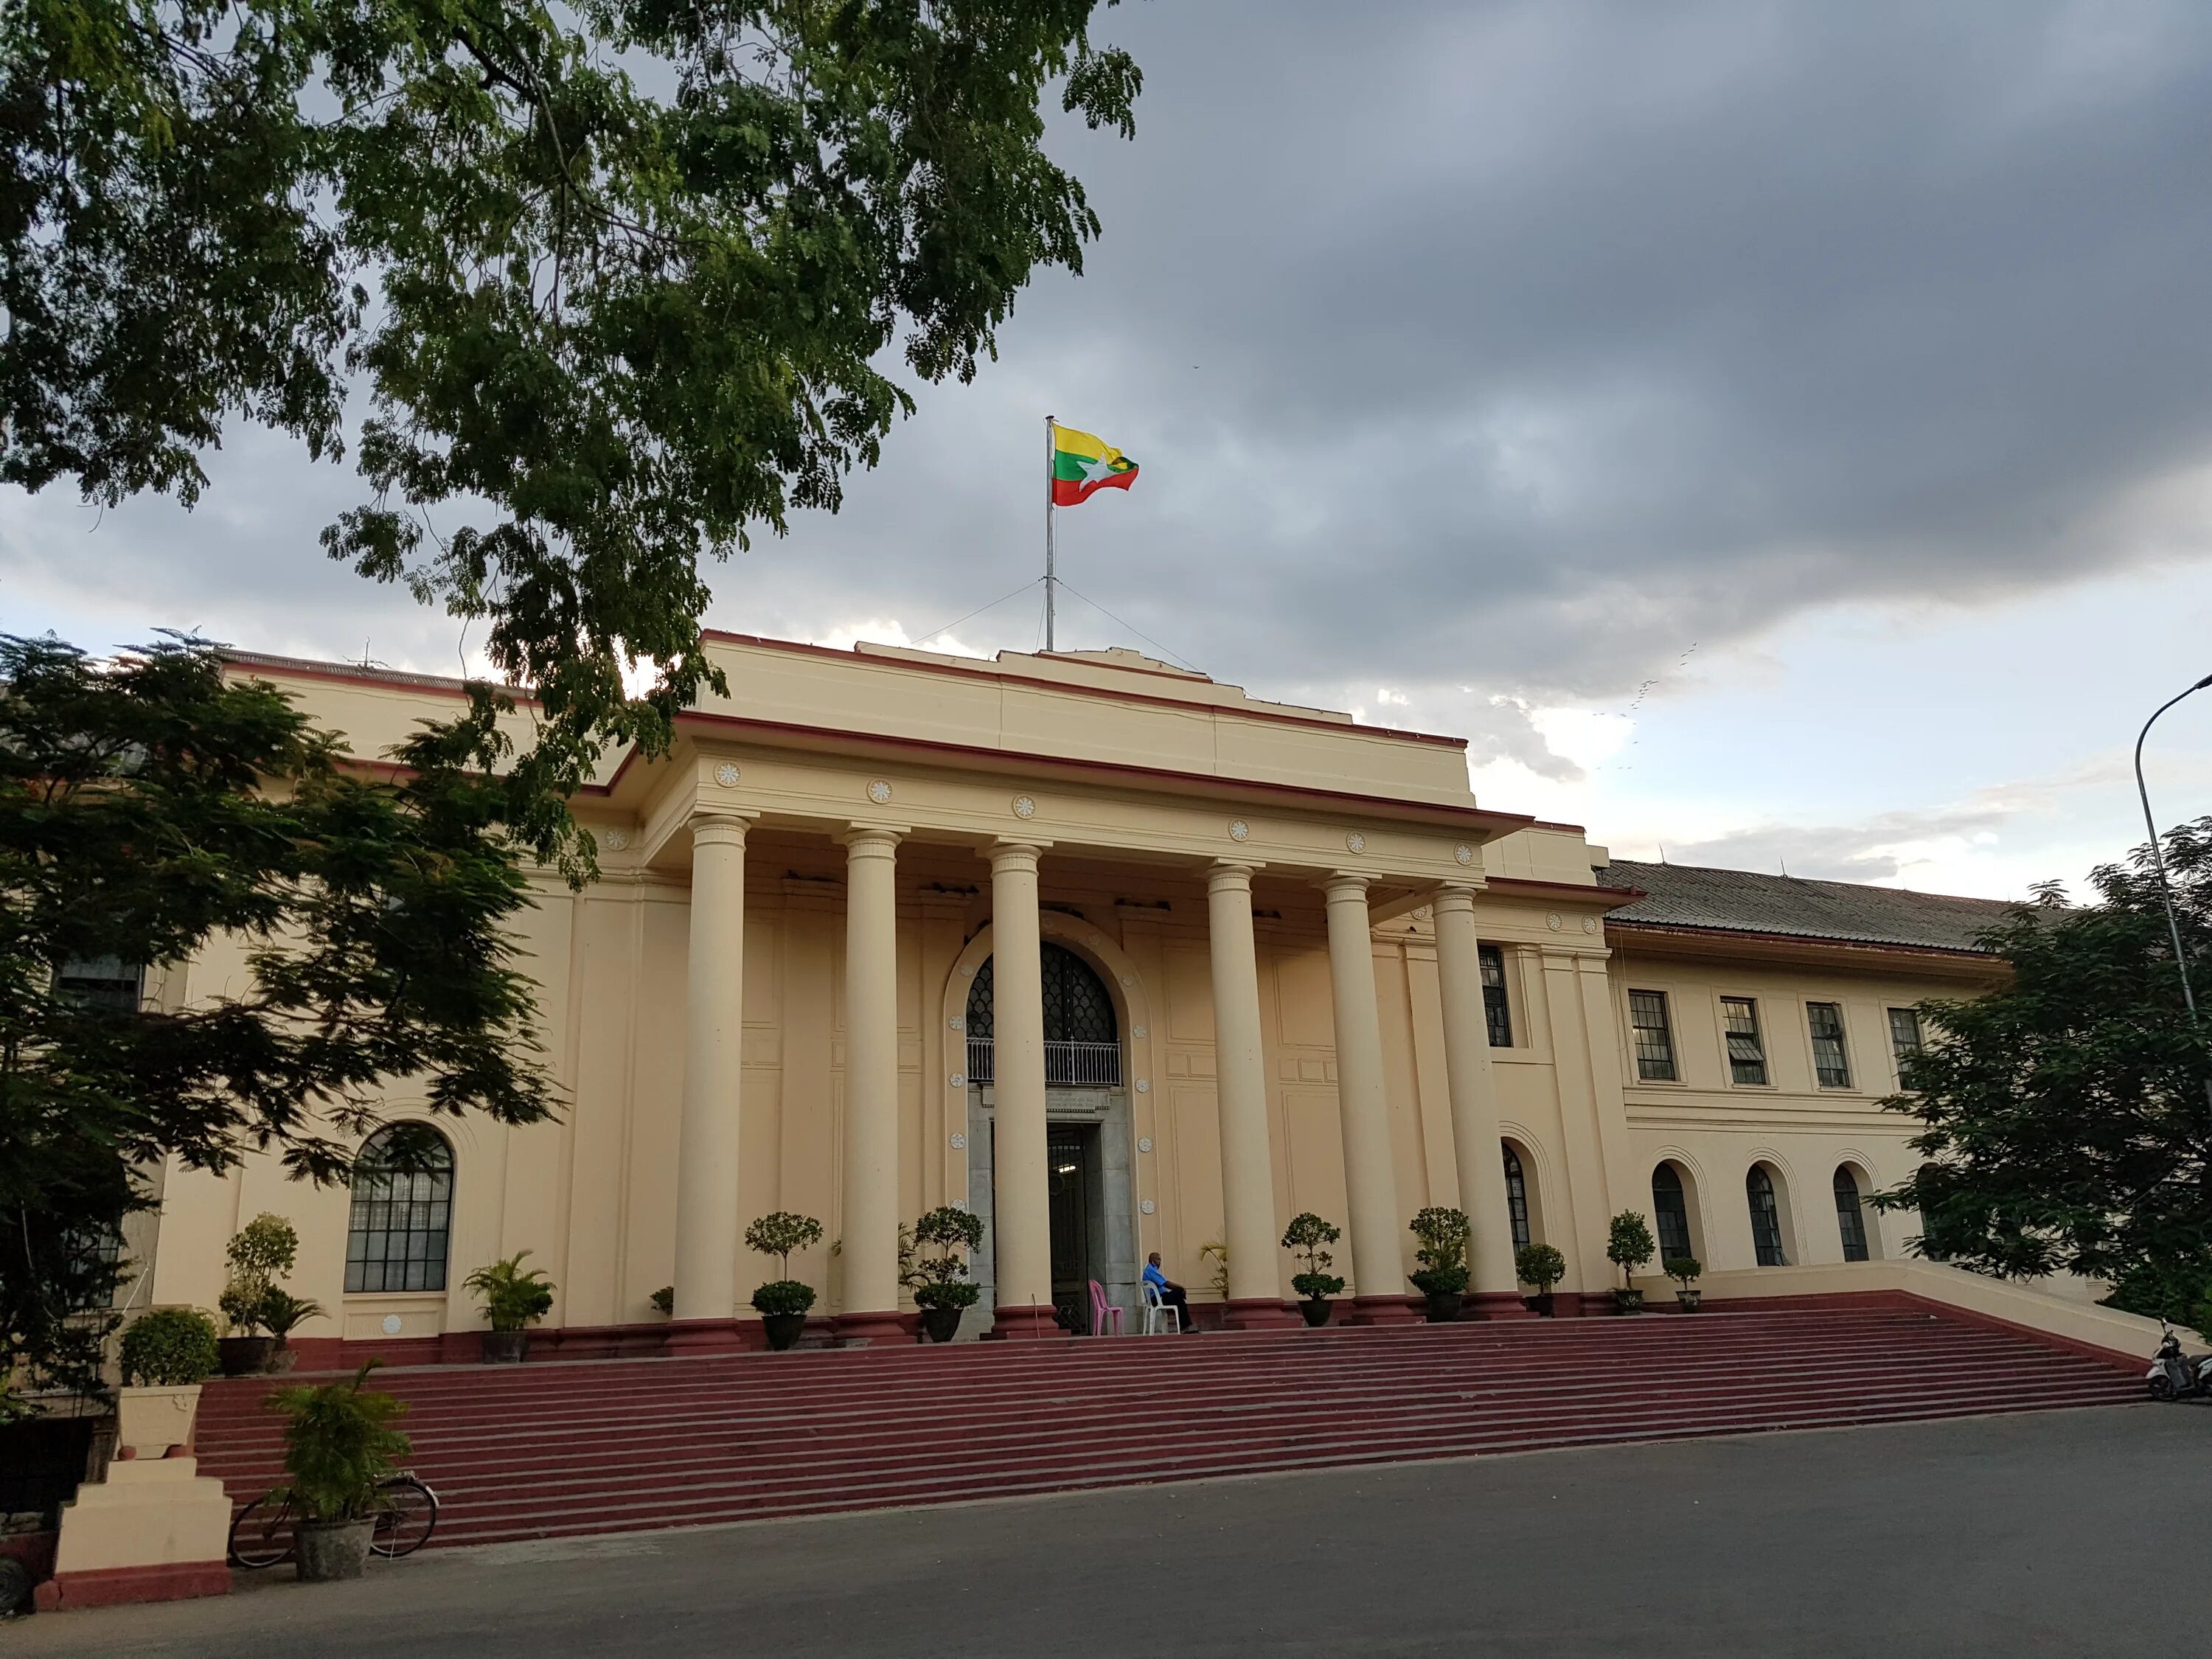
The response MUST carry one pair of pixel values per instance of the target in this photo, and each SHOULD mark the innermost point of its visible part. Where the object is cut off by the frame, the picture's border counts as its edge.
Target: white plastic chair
(1155, 1311)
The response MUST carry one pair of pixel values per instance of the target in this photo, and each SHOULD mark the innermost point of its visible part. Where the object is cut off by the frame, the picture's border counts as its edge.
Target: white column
(1364, 1109)
(714, 1045)
(1248, 1177)
(870, 1222)
(1021, 1206)
(1476, 1143)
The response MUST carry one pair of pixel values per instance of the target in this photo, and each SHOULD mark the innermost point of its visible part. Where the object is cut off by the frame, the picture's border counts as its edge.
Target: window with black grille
(1082, 1034)
(1905, 1034)
(1831, 1066)
(1654, 1036)
(1851, 1215)
(1765, 1219)
(1670, 1207)
(1746, 1052)
(403, 1213)
(105, 983)
(1497, 1008)
(1517, 1197)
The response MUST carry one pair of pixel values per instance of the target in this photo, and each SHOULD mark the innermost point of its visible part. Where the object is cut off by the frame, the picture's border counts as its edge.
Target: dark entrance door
(1069, 1154)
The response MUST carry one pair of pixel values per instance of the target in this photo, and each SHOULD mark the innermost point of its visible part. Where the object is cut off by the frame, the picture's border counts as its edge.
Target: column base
(861, 1330)
(1379, 1310)
(1258, 1314)
(1495, 1304)
(702, 1336)
(1025, 1323)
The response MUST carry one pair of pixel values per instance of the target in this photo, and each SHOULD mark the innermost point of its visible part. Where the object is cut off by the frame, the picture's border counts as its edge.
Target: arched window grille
(1082, 1035)
(1517, 1197)
(403, 1213)
(1851, 1217)
(1670, 1207)
(1766, 1217)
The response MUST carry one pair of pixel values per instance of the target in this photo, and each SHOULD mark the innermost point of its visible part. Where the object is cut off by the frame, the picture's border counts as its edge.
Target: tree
(1629, 1245)
(2064, 1117)
(638, 267)
(150, 807)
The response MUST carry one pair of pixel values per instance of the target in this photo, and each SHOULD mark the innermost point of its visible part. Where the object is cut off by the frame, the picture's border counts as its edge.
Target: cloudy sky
(1769, 434)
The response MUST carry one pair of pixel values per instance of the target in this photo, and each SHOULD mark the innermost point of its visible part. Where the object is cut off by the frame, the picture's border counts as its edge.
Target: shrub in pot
(1441, 1277)
(782, 1303)
(1684, 1271)
(283, 1313)
(166, 1356)
(664, 1299)
(936, 1269)
(1543, 1267)
(1628, 1246)
(339, 1445)
(261, 1253)
(514, 1299)
(1304, 1238)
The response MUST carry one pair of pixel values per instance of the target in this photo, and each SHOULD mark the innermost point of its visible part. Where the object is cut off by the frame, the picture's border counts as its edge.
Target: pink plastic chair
(1102, 1312)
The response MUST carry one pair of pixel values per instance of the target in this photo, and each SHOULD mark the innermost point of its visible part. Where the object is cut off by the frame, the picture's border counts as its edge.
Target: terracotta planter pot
(505, 1347)
(783, 1330)
(939, 1324)
(151, 1420)
(326, 1551)
(1316, 1310)
(245, 1355)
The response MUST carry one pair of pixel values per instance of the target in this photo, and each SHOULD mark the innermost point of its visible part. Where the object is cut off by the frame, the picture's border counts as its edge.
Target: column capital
(1010, 854)
(873, 840)
(1230, 875)
(721, 827)
(1343, 884)
(1454, 896)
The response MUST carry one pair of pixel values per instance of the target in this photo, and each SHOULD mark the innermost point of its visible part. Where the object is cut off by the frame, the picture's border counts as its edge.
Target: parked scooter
(2172, 1376)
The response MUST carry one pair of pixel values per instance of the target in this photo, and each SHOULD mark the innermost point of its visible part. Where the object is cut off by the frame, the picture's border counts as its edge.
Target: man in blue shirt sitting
(1170, 1294)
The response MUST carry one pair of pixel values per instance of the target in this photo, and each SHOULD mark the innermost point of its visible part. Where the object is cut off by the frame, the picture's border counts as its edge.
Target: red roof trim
(1693, 930)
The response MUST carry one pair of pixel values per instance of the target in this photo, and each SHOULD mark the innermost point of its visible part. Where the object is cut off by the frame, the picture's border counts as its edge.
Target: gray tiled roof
(1740, 900)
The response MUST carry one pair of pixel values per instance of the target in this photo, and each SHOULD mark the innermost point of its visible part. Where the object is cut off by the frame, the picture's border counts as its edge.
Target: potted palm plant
(1542, 1265)
(1684, 1271)
(1441, 1277)
(1628, 1247)
(166, 1356)
(339, 1446)
(1305, 1236)
(261, 1253)
(282, 1313)
(782, 1303)
(514, 1299)
(937, 1275)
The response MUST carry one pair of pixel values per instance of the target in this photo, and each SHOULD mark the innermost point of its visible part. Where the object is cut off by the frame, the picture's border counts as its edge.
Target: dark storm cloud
(1515, 347)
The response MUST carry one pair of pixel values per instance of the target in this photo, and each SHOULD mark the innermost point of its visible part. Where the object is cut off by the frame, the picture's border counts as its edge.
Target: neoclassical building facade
(1123, 960)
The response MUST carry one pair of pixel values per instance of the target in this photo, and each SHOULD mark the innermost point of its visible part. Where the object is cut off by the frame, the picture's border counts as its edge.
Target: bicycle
(405, 1511)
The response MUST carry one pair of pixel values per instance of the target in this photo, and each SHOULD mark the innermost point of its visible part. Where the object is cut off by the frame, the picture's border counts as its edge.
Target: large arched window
(403, 1212)
(1766, 1217)
(1851, 1214)
(1670, 1207)
(1082, 1036)
(1517, 1197)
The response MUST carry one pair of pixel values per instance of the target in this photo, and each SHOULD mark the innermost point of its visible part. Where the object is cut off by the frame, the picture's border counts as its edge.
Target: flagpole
(1048, 571)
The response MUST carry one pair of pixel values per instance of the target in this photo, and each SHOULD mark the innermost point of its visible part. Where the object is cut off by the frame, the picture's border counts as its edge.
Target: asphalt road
(2073, 1533)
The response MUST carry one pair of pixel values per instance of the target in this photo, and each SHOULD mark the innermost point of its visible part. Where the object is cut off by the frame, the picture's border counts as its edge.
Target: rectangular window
(1655, 1037)
(104, 983)
(1832, 1066)
(1903, 1033)
(1746, 1053)
(1495, 1008)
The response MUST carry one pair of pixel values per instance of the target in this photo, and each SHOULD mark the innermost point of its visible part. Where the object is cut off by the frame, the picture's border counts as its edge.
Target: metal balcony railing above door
(1066, 1065)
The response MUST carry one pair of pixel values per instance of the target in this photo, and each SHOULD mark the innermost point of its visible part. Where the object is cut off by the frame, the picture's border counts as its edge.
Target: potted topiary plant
(939, 1277)
(1542, 1265)
(664, 1300)
(1442, 1276)
(283, 1313)
(514, 1299)
(1217, 1252)
(1629, 1246)
(1304, 1236)
(782, 1303)
(260, 1253)
(1684, 1271)
(166, 1355)
(339, 1445)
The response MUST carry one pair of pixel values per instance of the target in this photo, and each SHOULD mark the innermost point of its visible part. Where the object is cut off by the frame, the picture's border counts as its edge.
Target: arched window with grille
(1082, 1034)
(1516, 1199)
(1670, 1207)
(1766, 1217)
(402, 1219)
(1851, 1214)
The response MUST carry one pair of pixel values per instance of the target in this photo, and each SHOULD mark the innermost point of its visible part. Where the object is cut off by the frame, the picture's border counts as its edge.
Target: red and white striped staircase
(584, 1446)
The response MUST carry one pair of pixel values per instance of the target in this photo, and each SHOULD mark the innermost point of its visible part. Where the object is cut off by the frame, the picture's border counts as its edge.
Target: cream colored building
(1236, 960)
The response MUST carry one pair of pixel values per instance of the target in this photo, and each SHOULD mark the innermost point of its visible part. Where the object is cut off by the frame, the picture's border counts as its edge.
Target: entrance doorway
(1072, 1160)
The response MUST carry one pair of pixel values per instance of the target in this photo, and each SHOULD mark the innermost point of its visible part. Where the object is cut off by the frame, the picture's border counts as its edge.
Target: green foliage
(1305, 1237)
(169, 1348)
(260, 1253)
(949, 1293)
(1540, 1265)
(1217, 1252)
(641, 271)
(2064, 1115)
(338, 1444)
(784, 1296)
(1444, 1235)
(664, 1299)
(1629, 1244)
(150, 805)
(514, 1297)
(1682, 1269)
(282, 1313)
(939, 1278)
(780, 1232)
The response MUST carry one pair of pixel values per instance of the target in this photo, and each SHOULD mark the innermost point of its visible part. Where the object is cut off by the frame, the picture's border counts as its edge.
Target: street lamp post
(2158, 861)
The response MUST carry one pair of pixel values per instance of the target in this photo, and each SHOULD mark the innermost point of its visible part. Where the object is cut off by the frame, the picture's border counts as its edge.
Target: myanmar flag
(1082, 464)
